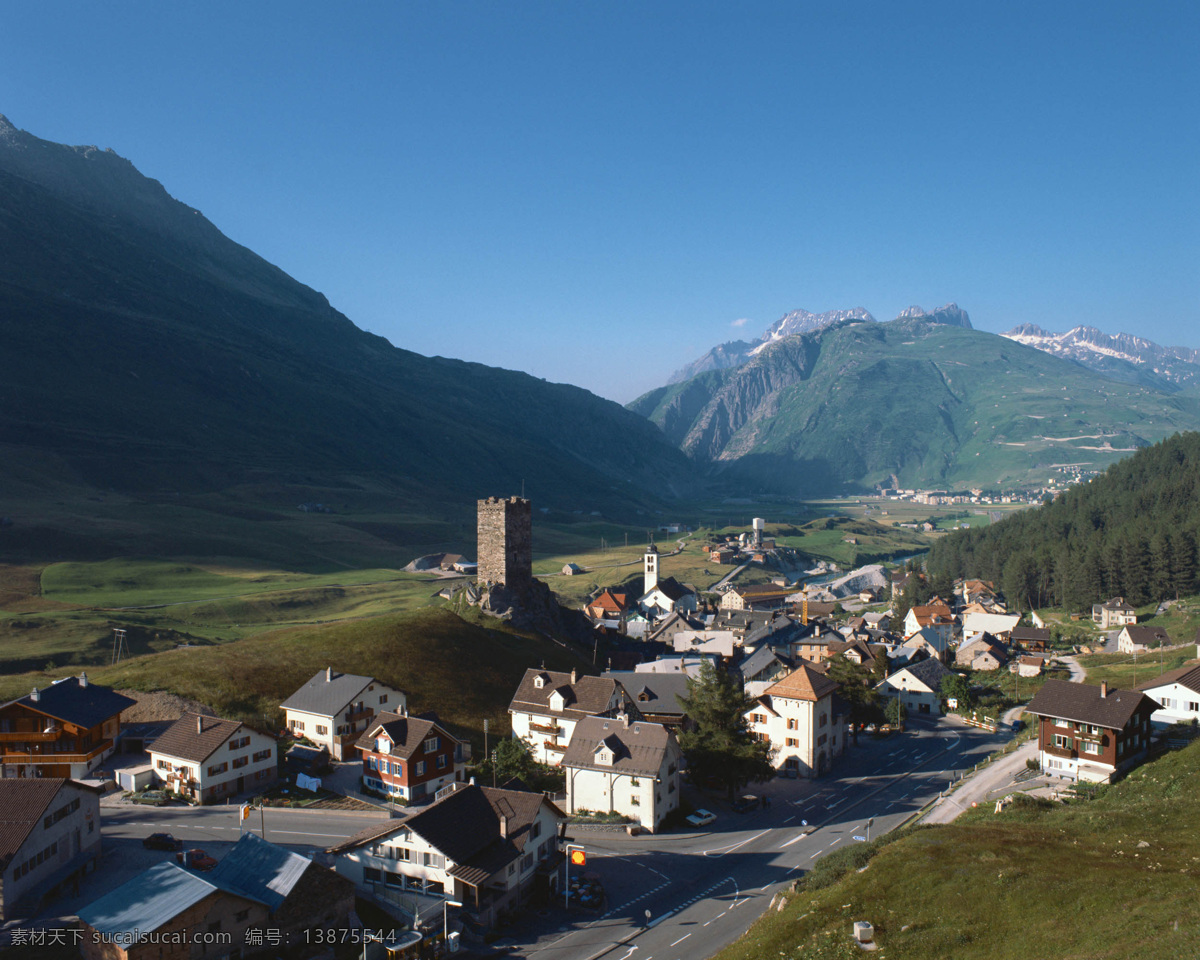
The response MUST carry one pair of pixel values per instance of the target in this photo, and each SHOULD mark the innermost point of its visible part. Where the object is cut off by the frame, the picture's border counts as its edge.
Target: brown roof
(1188, 675)
(586, 697)
(1026, 634)
(932, 610)
(465, 827)
(406, 733)
(23, 801)
(803, 683)
(1082, 703)
(638, 748)
(195, 738)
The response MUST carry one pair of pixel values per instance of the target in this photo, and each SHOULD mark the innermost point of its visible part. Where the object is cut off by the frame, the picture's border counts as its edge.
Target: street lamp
(446, 918)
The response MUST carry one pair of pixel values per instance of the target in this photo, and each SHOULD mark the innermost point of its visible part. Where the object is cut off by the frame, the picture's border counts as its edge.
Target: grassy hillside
(466, 671)
(1112, 877)
(932, 404)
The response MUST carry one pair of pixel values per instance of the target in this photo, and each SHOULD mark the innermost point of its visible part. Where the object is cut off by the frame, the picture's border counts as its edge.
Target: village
(841, 696)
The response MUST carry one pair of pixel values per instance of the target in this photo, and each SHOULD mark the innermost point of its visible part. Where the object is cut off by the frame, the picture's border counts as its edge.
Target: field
(1112, 877)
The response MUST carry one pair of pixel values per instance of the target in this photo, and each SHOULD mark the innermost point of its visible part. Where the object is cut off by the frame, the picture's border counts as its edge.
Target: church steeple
(650, 569)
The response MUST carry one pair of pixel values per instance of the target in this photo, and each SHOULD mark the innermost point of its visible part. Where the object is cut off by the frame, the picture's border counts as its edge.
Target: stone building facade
(505, 546)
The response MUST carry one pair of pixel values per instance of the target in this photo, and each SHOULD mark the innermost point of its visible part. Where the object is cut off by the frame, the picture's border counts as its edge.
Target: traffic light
(578, 857)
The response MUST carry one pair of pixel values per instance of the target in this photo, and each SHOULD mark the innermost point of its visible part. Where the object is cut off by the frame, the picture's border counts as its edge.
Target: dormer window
(383, 745)
(557, 701)
(539, 681)
(604, 756)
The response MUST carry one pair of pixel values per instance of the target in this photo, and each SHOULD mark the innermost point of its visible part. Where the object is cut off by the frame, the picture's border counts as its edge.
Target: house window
(821, 740)
(431, 744)
(262, 755)
(526, 862)
(382, 699)
(420, 769)
(634, 782)
(1063, 743)
(1091, 747)
(792, 742)
(635, 800)
(1193, 706)
(322, 730)
(1093, 729)
(372, 875)
(824, 720)
(535, 830)
(791, 724)
(239, 762)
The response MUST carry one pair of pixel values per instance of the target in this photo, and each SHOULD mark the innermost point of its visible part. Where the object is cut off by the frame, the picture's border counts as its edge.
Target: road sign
(578, 857)
(861, 839)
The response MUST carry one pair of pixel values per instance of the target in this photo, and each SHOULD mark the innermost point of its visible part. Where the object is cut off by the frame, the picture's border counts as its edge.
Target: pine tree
(720, 746)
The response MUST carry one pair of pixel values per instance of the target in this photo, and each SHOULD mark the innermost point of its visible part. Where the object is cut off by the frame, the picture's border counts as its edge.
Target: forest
(1130, 532)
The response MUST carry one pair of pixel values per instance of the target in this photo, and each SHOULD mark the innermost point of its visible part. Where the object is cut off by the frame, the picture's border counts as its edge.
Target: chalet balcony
(54, 756)
(366, 713)
(1065, 753)
(30, 736)
(554, 747)
(553, 729)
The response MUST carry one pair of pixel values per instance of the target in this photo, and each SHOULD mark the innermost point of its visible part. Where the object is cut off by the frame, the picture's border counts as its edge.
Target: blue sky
(595, 192)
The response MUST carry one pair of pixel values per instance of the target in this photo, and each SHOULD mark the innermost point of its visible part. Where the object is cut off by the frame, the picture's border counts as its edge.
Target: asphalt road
(683, 897)
(701, 890)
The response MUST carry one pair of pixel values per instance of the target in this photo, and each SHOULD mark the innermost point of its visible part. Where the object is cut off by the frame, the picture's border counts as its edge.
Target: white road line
(794, 840)
(764, 887)
(788, 820)
(300, 833)
(813, 856)
(680, 940)
(838, 840)
(717, 852)
(707, 922)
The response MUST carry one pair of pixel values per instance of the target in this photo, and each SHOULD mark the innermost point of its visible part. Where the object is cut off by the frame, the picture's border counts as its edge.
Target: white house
(1178, 693)
(485, 848)
(548, 704)
(918, 686)
(797, 716)
(936, 617)
(333, 709)
(618, 765)
(1113, 613)
(1135, 639)
(209, 759)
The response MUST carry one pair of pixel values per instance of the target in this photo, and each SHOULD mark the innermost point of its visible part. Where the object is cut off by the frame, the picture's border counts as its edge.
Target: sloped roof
(671, 588)
(638, 749)
(327, 693)
(930, 672)
(1141, 634)
(653, 692)
(1188, 676)
(82, 704)
(585, 697)
(1028, 634)
(465, 827)
(151, 899)
(803, 683)
(406, 733)
(23, 803)
(1082, 703)
(762, 658)
(260, 870)
(194, 737)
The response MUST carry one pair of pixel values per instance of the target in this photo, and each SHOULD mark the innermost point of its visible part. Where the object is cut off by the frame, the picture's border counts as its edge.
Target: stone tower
(650, 569)
(506, 542)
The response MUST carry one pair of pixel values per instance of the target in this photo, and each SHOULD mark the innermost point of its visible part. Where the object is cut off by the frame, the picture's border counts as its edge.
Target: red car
(196, 858)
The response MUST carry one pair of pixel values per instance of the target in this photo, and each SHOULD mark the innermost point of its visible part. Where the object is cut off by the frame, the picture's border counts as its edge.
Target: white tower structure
(650, 569)
(758, 523)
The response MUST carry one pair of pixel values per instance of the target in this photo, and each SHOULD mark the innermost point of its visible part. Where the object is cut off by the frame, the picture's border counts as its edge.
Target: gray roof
(148, 901)
(758, 661)
(930, 672)
(653, 692)
(83, 704)
(327, 693)
(638, 748)
(23, 801)
(260, 870)
(1188, 676)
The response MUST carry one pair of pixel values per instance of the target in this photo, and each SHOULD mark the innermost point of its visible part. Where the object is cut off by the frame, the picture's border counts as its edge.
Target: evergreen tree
(720, 745)
(856, 685)
(895, 711)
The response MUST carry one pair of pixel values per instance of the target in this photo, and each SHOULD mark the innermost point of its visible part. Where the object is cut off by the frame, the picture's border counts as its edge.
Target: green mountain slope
(926, 404)
(147, 352)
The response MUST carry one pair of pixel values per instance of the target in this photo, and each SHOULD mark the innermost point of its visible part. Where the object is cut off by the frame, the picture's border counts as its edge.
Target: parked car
(195, 858)
(702, 818)
(745, 803)
(162, 841)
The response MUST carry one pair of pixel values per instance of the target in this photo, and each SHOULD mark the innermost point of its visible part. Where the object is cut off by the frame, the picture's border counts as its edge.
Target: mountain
(1123, 357)
(149, 354)
(927, 402)
(736, 352)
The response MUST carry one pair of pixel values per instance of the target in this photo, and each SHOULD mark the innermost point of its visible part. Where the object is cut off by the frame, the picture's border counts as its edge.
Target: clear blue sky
(595, 192)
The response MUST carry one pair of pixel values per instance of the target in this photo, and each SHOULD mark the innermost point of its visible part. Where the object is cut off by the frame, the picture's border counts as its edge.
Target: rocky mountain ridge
(1123, 356)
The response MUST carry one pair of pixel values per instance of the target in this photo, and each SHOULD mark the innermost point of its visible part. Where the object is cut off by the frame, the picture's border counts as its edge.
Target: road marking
(794, 840)
(830, 806)
(680, 940)
(630, 953)
(765, 885)
(300, 833)
(707, 922)
(838, 840)
(788, 820)
(813, 856)
(855, 827)
(717, 852)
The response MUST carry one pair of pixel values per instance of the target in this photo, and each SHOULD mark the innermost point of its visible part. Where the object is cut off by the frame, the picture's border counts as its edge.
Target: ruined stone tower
(506, 542)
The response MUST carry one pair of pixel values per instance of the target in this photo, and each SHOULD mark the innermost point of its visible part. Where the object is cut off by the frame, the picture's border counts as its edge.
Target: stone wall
(505, 535)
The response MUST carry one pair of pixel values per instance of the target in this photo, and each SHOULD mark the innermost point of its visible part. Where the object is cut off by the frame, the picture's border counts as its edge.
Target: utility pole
(485, 739)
